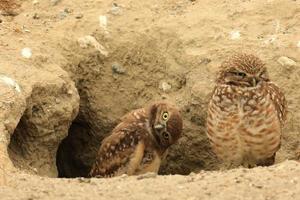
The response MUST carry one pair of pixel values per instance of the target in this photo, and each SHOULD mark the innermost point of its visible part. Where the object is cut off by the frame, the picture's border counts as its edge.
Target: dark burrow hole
(32, 152)
(77, 152)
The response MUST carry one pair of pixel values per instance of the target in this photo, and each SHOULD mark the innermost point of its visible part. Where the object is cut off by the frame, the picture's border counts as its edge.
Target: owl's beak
(159, 127)
(254, 82)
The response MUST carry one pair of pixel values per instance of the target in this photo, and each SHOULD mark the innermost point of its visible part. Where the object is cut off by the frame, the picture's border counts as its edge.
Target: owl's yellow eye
(165, 116)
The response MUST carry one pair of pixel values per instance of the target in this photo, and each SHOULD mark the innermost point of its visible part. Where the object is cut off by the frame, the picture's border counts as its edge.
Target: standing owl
(245, 114)
(139, 143)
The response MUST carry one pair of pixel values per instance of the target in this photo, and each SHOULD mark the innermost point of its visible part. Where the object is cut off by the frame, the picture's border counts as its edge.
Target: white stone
(285, 61)
(88, 40)
(235, 35)
(103, 22)
(35, 2)
(10, 82)
(165, 86)
(26, 52)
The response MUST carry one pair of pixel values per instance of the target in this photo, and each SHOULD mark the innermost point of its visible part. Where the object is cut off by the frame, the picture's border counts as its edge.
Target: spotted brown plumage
(139, 142)
(246, 113)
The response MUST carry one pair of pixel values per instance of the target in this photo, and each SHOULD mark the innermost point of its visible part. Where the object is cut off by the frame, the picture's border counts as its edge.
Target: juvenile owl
(139, 143)
(245, 114)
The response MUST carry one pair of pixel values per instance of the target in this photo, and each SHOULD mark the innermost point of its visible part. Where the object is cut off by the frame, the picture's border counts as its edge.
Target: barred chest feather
(242, 124)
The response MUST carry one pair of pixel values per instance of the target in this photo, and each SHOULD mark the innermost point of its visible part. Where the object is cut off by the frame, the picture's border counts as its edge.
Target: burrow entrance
(49, 112)
(137, 71)
(76, 153)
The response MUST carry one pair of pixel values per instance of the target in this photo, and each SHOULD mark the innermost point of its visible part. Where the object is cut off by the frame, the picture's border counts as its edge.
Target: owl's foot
(267, 162)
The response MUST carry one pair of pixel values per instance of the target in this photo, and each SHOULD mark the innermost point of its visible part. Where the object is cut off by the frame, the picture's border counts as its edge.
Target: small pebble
(192, 174)
(54, 2)
(103, 22)
(285, 61)
(70, 92)
(79, 16)
(236, 180)
(165, 86)
(35, 16)
(117, 68)
(293, 181)
(62, 15)
(235, 35)
(298, 44)
(256, 185)
(26, 52)
(6, 122)
(84, 180)
(10, 82)
(115, 9)
(68, 10)
(88, 40)
(123, 176)
(35, 2)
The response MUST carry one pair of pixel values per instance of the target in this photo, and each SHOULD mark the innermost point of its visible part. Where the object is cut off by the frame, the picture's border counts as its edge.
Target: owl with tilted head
(139, 143)
(246, 113)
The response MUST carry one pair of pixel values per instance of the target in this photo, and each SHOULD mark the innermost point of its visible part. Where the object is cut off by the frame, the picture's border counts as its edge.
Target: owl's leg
(150, 163)
(267, 162)
(136, 159)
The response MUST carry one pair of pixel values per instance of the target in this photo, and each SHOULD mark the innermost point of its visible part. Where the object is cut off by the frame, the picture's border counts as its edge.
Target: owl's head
(166, 123)
(243, 70)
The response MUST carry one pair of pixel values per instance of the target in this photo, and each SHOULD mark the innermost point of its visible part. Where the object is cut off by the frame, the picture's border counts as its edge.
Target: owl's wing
(138, 115)
(134, 114)
(120, 153)
(279, 101)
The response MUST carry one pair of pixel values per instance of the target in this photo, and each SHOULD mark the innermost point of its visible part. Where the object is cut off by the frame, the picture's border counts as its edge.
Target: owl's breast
(240, 100)
(243, 123)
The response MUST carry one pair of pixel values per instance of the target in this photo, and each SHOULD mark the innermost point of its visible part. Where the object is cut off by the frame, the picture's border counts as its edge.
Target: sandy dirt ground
(277, 182)
(117, 56)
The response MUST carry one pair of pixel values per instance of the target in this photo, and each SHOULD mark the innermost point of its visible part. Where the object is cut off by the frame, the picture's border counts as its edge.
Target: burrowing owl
(139, 143)
(246, 113)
